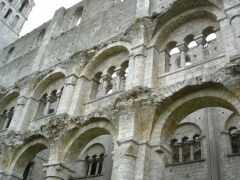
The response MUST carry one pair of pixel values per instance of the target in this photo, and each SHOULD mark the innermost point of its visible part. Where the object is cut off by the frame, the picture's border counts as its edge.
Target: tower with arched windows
(13, 15)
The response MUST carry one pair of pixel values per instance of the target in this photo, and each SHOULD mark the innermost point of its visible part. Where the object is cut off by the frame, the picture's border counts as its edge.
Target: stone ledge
(233, 155)
(183, 163)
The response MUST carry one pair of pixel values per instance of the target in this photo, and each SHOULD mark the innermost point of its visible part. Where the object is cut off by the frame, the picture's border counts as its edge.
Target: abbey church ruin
(121, 90)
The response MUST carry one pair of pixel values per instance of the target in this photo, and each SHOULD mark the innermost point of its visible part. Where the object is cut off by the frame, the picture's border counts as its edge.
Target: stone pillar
(139, 69)
(57, 171)
(128, 156)
(7, 121)
(47, 107)
(94, 89)
(67, 95)
(236, 27)
(143, 162)
(183, 49)
(180, 153)
(201, 41)
(21, 101)
(130, 75)
(191, 151)
(120, 73)
(89, 167)
(106, 79)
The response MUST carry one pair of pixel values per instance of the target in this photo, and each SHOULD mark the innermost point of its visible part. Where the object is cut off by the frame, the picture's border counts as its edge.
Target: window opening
(9, 12)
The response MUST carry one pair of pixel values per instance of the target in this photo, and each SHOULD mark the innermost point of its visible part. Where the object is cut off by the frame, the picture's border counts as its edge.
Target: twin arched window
(186, 150)
(94, 165)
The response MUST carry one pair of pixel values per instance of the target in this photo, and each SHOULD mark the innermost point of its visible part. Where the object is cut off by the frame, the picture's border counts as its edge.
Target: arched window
(172, 57)
(175, 151)
(15, 21)
(197, 152)
(235, 139)
(24, 5)
(96, 86)
(40, 37)
(77, 15)
(9, 54)
(2, 4)
(9, 12)
(185, 149)
(41, 106)
(94, 165)
(28, 171)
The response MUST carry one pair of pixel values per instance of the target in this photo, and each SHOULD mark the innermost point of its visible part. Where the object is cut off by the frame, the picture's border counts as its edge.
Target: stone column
(201, 41)
(236, 26)
(106, 79)
(183, 49)
(180, 153)
(143, 161)
(90, 167)
(191, 151)
(8, 118)
(21, 101)
(47, 107)
(120, 73)
(57, 171)
(58, 94)
(67, 95)
(139, 69)
(128, 156)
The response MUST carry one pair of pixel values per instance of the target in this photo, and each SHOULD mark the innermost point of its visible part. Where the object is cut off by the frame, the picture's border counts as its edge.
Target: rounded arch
(79, 139)
(233, 120)
(164, 29)
(25, 153)
(8, 97)
(189, 102)
(103, 53)
(233, 17)
(43, 84)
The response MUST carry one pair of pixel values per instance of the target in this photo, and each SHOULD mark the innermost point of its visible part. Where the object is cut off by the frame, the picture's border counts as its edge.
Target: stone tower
(13, 15)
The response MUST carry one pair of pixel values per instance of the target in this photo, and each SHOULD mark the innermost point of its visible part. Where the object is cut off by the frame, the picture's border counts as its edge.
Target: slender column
(46, 109)
(7, 120)
(201, 41)
(67, 95)
(106, 79)
(90, 167)
(120, 73)
(191, 152)
(58, 94)
(183, 49)
(18, 112)
(97, 168)
(180, 153)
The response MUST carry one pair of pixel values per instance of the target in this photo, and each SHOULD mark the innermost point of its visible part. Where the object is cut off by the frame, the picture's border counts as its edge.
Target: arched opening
(92, 156)
(2, 4)
(29, 160)
(40, 37)
(15, 21)
(96, 86)
(41, 106)
(24, 5)
(172, 57)
(9, 12)
(78, 15)
(235, 139)
(9, 54)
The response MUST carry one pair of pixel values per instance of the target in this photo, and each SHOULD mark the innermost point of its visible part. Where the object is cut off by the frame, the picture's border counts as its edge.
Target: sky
(43, 11)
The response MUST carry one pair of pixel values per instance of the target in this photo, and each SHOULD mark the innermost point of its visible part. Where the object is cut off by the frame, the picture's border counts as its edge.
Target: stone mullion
(6, 120)
(183, 49)
(180, 149)
(47, 107)
(106, 80)
(191, 151)
(120, 73)
(201, 41)
(18, 112)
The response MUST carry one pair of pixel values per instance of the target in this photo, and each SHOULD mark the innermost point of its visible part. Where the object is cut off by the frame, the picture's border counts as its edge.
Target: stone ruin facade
(121, 90)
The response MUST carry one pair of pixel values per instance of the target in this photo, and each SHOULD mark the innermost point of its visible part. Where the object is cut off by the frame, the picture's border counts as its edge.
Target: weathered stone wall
(107, 100)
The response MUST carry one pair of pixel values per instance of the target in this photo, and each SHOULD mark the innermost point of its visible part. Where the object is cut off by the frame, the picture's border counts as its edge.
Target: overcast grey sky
(43, 11)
